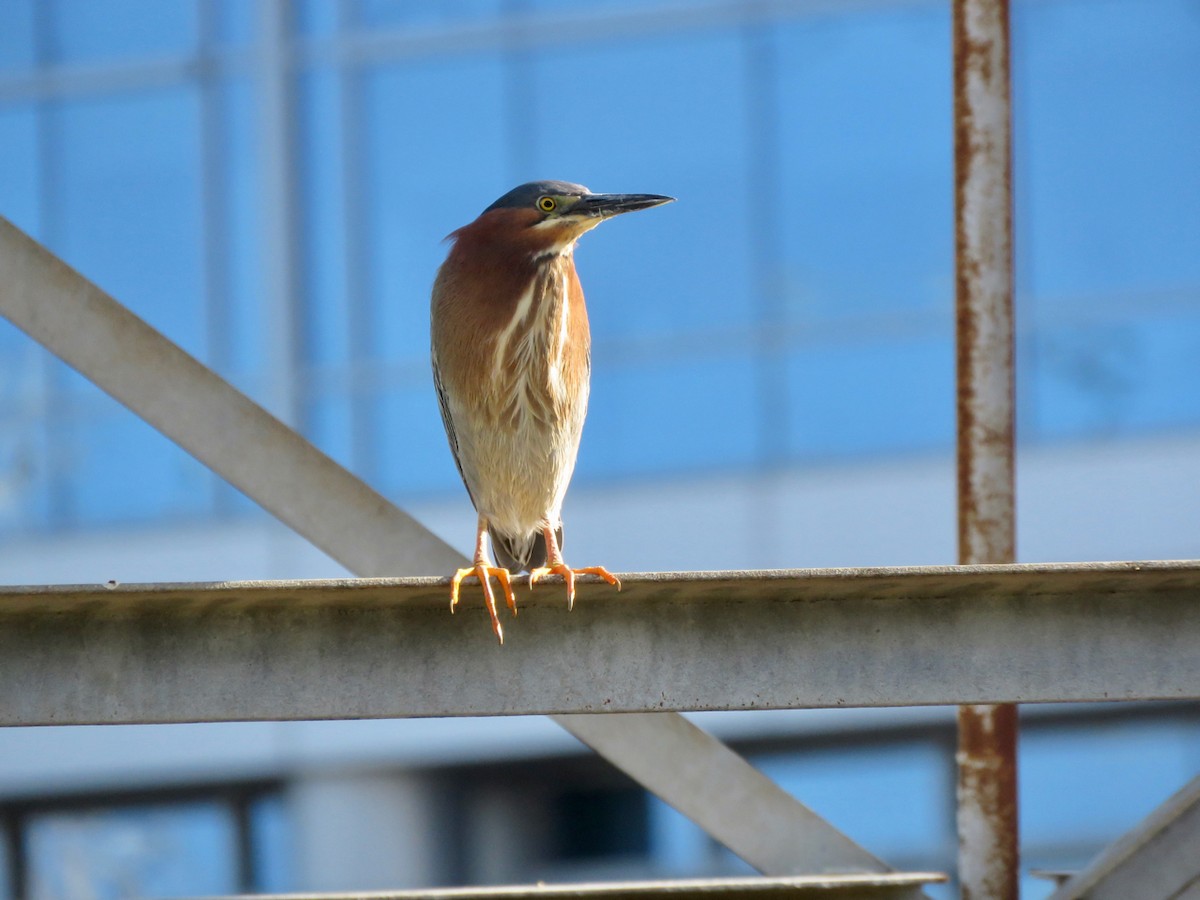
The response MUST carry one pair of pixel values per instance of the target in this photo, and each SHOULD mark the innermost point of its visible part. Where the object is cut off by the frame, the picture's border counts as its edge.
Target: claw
(569, 574)
(482, 572)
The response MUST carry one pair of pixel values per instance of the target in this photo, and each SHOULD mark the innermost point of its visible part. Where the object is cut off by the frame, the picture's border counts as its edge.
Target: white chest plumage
(518, 467)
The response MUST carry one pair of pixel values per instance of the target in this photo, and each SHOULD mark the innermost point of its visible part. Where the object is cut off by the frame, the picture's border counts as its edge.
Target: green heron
(511, 361)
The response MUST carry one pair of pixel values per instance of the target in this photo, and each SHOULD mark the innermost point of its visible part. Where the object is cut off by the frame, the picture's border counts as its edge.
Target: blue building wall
(801, 288)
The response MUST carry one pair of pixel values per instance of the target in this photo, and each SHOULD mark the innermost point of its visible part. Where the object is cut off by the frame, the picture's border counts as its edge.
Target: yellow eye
(547, 204)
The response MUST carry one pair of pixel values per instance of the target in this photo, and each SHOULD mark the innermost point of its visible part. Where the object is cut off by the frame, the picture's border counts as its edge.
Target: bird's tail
(521, 553)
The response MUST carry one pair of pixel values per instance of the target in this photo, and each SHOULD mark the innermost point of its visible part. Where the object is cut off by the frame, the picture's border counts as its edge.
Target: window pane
(25, 458)
(329, 424)
(432, 134)
(315, 18)
(1137, 765)
(390, 13)
(108, 854)
(327, 311)
(857, 398)
(127, 204)
(16, 35)
(1108, 145)
(272, 845)
(112, 467)
(1108, 216)
(86, 31)
(600, 824)
(413, 456)
(667, 117)
(894, 798)
(235, 20)
(865, 152)
(20, 175)
(672, 417)
(1116, 377)
(238, 233)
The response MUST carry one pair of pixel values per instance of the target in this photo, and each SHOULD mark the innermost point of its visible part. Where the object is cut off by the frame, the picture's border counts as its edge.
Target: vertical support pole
(987, 735)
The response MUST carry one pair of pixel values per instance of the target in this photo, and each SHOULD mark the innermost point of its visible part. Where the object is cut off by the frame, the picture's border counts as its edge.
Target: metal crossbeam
(355, 525)
(694, 641)
(906, 886)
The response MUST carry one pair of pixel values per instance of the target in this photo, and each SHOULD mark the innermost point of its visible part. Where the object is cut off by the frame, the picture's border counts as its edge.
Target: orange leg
(556, 566)
(482, 569)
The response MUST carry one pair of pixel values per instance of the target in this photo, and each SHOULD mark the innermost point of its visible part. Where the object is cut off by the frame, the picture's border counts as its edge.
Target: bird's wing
(448, 422)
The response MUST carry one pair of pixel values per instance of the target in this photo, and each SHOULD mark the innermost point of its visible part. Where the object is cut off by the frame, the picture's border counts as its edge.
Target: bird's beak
(604, 205)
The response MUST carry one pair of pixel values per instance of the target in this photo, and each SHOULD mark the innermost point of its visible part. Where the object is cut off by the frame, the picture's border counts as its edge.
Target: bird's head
(546, 217)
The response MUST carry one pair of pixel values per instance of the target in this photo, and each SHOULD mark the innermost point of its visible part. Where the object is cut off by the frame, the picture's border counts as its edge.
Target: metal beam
(693, 641)
(987, 735)
(1157, 860)
(327, 505)
(898, 886)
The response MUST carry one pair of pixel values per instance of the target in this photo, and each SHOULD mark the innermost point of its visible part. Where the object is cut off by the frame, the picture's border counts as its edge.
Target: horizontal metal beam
(696, 641)
(1157, 860)
(896, 886)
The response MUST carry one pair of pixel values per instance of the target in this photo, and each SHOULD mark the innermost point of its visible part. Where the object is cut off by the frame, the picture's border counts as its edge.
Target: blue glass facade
(793, 308)
(218, 842)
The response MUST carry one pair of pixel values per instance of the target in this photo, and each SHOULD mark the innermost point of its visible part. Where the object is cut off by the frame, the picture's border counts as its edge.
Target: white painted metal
(905, 886)
(692, 641)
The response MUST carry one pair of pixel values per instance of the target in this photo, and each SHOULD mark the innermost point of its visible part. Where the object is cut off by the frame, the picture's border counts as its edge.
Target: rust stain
(983, 281)
(987, 796)
(987, 819)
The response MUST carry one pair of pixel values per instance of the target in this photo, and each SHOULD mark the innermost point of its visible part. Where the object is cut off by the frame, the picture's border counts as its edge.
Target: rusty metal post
(987, 742)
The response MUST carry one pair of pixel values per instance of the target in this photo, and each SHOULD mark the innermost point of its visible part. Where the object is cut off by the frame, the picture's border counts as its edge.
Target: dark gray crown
(527, 194)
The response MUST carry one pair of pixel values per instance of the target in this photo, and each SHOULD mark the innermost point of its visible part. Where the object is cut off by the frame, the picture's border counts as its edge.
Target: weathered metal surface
(1157, 860)
(337, 512)
(754, 640)
(987, 801)
(898, 886)
(984, 281)
(987, 780)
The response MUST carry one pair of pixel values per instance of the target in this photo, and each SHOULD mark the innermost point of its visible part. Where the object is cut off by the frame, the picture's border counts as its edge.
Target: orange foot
(569, 574)
(481, 571)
